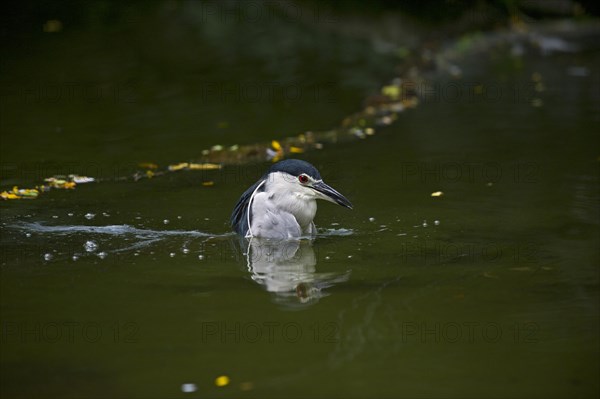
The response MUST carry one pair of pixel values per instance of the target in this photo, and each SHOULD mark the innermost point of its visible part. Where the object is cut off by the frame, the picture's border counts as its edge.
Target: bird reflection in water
(287, 268)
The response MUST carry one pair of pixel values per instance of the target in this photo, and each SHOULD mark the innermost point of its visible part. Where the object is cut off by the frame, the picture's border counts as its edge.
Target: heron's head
(303, 180)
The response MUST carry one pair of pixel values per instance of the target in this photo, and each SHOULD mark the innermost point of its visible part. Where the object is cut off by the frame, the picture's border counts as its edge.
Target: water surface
(133, 289)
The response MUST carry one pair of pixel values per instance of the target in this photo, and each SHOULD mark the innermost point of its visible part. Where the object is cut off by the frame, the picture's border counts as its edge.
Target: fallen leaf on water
(391, 91)
(59, 182)
(222, 381)
(208, 183)
(276, 153)
(204, 166)
(296, 150)
(437, 194)
(20, 193)
(5, 195)
(276, 146)
(29, 192)
(53, 181)
(178, 166)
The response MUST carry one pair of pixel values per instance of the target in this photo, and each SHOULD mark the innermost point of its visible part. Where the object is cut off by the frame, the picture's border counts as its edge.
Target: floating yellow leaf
(276, 153)
(276, 146)
(178, 166)
(53, 181)
(29, 192)
(222, 381)
(204, 166)
(20, 193)
(391, 91)
(149, 174)
(56, 182)
(208, 183)
(437, 194)
(296, 150)
(8, 196)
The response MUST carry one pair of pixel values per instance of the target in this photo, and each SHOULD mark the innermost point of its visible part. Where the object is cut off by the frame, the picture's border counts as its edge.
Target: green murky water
(125, 289)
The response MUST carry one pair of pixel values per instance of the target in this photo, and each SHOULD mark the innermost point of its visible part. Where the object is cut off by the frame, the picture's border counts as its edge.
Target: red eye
(303, 179)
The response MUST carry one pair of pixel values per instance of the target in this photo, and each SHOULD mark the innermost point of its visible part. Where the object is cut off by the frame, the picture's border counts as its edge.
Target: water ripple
(114, 230)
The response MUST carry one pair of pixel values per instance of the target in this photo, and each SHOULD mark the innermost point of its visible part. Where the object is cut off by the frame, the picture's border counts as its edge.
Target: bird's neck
(303, 207)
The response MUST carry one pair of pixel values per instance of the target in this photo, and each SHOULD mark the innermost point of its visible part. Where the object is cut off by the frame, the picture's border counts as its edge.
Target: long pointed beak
(329, 194)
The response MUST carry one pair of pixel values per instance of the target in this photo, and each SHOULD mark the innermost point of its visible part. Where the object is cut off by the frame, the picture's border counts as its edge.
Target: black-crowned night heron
(282, 203)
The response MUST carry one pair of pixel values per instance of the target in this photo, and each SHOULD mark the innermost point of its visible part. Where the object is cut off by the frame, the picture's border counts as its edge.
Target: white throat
(287, 194)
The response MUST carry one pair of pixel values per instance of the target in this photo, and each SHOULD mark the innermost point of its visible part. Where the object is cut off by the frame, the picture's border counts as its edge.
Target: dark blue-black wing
(239, 216)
